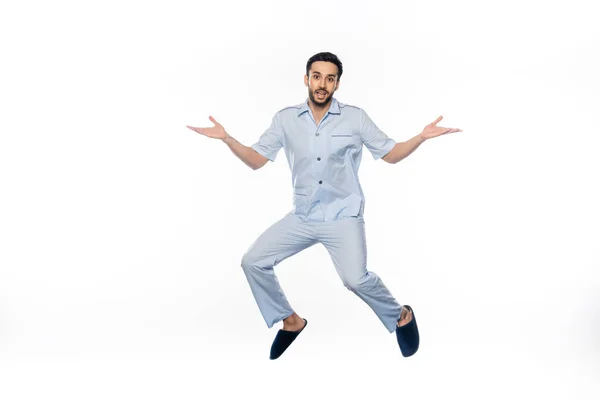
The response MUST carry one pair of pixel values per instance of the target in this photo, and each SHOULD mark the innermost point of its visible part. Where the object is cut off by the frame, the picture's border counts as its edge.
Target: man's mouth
(321, 95)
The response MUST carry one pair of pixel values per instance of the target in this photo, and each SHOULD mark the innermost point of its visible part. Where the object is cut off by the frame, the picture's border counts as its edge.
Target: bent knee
(352, 285)
(252, 260)
(247, 261)
(360, 282)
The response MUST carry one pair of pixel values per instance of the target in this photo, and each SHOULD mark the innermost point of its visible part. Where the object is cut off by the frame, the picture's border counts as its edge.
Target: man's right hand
(216, 132)
(247, 154)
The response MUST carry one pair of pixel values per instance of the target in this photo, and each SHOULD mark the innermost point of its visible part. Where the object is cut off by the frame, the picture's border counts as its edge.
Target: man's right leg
(281, 240)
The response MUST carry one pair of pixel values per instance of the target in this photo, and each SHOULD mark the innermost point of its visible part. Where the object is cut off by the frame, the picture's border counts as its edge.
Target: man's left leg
(346, 243)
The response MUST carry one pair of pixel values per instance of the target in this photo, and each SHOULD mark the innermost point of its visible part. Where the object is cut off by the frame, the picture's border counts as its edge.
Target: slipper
(408, 336)
(283, 340)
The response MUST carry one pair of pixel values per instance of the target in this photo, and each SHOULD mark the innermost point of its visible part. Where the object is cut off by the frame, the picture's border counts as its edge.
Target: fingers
(214, 121)
(437, 120)
(202, 130)
(199, 130)
(450, 130)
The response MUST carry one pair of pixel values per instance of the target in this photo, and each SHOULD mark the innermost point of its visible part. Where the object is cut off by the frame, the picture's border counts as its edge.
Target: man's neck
(319, 111)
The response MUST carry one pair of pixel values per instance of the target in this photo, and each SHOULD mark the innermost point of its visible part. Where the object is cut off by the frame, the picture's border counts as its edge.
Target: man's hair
(325, 56)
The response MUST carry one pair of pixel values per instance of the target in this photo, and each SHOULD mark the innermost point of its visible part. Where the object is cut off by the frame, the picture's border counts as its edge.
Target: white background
(122, 231)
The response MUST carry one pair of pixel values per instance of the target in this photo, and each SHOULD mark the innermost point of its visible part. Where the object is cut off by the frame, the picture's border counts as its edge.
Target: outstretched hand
(216, 132)
(431, 131)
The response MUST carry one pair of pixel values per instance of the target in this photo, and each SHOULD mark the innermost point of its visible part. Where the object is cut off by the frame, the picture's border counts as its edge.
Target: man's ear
(306, 80)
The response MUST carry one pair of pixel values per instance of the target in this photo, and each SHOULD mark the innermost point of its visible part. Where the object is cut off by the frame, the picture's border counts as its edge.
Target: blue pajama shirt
(328, 205)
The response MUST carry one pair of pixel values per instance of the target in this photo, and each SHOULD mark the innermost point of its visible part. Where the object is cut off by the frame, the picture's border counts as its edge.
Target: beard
(318, 102)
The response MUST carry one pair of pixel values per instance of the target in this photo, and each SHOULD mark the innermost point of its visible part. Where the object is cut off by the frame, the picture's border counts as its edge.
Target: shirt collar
(334, 107)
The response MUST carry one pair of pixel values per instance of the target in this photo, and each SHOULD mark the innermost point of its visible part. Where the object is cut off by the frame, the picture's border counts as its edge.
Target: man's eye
(316, 76)
(330, 79)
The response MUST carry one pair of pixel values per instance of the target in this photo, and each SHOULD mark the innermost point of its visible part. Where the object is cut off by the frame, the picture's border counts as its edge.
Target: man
(323, 140)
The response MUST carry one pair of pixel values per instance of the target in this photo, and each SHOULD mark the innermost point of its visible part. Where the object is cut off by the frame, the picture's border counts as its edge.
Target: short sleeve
(375, 140)
(270, 142)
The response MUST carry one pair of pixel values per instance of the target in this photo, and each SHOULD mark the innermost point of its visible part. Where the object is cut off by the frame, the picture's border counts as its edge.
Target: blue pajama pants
(345, 241)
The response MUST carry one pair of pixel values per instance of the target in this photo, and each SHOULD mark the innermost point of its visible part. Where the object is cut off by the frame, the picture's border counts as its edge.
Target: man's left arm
(401, 150)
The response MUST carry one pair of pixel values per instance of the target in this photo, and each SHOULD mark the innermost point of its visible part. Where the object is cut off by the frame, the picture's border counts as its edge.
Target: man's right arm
(247, 154)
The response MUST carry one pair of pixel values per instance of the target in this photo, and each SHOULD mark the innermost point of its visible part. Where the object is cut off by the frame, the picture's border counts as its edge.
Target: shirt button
(317, 133)
(320, 182)
(318, 158)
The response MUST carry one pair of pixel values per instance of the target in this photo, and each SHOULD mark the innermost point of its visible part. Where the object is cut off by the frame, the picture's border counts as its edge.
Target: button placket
(318, 158)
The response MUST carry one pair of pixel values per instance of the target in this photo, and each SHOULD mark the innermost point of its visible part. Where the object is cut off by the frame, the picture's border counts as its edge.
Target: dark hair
(325, 56)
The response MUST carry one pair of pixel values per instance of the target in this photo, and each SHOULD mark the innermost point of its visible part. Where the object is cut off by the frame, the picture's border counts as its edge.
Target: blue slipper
(408, 336)
(283, 340)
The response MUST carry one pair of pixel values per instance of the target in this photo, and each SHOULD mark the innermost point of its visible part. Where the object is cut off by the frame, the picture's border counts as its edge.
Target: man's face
(322, 82)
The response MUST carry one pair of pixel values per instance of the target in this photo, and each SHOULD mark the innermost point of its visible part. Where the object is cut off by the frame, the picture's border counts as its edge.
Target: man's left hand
(432, 131)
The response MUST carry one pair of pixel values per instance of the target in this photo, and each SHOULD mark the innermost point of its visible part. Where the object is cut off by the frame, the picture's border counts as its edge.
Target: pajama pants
(345, 241)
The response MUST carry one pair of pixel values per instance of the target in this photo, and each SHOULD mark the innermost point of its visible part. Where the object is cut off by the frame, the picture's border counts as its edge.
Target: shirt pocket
(343, 141)
(300, 200)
